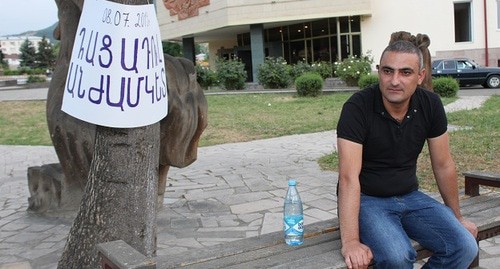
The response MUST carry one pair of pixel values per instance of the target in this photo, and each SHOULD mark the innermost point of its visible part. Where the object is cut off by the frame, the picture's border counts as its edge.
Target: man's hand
(470, 226)
(356, 255)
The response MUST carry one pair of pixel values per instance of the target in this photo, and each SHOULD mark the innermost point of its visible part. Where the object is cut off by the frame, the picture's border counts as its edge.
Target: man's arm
(444, 170)
(356, 255)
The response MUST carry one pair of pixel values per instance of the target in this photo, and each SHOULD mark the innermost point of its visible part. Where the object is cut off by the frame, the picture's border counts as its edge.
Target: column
(188, 49)
(257, 47)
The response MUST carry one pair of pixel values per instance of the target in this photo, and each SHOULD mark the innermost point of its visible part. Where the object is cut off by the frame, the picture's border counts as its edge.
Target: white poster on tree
(117, 76)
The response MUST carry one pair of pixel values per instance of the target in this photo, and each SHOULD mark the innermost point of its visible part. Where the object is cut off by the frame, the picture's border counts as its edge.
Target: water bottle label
(294, 225)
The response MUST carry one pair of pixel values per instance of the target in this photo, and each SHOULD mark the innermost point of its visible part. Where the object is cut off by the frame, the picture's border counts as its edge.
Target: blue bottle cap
(292, 182)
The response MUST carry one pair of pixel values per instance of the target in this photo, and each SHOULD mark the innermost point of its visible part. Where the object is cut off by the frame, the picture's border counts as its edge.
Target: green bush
(366, 81)
(309, 84)
(324, 69)
(274, 73)
(36, 79)
(445, 86)
(206, 77)
(231, 74)
(10, 72)
(299, 69)
(352, 68)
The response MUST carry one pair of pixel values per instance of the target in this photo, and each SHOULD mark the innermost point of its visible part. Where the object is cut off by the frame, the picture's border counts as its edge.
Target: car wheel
(493, 81)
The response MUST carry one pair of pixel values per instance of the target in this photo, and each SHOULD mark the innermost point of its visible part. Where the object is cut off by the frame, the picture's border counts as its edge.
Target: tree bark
(120, 196)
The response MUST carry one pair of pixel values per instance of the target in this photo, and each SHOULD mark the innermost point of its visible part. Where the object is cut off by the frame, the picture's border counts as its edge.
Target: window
(462, 64)
(462, 22)
(449, 65)
(329, 39)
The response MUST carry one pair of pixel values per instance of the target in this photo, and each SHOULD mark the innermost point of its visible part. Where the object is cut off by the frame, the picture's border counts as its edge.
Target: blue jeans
(388, 223)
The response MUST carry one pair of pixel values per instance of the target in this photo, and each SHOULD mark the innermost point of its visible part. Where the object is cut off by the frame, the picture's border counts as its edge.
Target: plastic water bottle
(293, 216)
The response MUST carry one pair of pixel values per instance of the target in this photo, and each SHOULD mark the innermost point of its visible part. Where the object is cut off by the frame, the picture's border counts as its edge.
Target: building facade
(330, 30)
(11, 47)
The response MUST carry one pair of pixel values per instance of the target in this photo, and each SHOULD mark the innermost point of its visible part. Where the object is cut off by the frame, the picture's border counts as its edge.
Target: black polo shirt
(390, 149)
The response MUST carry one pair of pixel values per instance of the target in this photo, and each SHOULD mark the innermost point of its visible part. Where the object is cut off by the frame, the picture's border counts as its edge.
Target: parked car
(467, 72)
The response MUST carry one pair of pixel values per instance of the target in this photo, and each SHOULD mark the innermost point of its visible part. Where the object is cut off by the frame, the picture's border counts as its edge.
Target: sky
(18, 16)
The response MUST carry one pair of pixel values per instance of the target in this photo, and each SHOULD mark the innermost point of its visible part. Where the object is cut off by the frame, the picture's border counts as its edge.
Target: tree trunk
(120, 196)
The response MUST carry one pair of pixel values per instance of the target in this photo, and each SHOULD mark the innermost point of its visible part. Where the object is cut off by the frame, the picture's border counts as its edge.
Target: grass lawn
(237, 118)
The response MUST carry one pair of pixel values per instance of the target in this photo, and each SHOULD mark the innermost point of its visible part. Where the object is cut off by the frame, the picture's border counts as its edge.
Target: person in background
(380, 133)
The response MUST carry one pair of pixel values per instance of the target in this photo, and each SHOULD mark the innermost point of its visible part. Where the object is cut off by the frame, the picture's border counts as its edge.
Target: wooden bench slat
(326, 259)
(475, 178)
(480, 205)
(486, 219)
(247, 245)
(483, 175)
(266, 255)
(294, 255)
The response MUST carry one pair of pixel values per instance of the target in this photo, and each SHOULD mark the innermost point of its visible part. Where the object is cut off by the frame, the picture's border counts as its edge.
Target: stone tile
(209, 222)
(38, 228)
(26, 238)
(200, 195)
(491, 249)
(35, 253)
(188, 187)
(15, 265)
(233, 180)
(255, 206)
(323, 204)
(319, 214)
(45, 245)
(169, 201)
(272, 222)
(169, 251)
(13, 226)
(6, 212)
(252, 234)
(256, 223)
(250, 217)
(4, 235)
(240, 190)
(243, 198)
(204, 241)
(226, 229)
(228, 223)
(184, 223)
(207, 206)
(489, 263)
(183, 242)
(257, 184)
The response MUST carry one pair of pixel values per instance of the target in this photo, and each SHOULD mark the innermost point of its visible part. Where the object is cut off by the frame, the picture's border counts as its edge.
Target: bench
(321, 248)
(474, 179)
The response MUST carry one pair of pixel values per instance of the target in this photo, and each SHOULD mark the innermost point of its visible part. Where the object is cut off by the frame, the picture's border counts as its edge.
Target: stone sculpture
(74, 139)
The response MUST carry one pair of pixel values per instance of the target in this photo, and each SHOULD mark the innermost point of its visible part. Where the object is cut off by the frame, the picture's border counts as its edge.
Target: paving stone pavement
(233, 191)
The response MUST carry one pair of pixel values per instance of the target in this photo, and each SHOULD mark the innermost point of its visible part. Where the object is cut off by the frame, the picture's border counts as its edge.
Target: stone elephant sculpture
(74, 139)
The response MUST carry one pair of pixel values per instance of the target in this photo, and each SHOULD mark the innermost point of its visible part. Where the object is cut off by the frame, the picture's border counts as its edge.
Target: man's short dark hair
(404, 46)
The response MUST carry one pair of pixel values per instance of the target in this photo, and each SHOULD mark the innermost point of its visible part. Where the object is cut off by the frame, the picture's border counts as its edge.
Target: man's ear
(421, 76)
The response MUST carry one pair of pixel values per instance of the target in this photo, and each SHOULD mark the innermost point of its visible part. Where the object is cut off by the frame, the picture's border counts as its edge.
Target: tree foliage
(172, 48)
(28, 54)
(3, 62)
(45, 57)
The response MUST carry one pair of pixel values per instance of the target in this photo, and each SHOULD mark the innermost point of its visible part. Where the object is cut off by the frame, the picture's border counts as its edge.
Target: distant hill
(47, 32)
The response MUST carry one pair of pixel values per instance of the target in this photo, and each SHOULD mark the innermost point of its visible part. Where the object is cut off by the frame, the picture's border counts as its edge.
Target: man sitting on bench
(381, 132)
